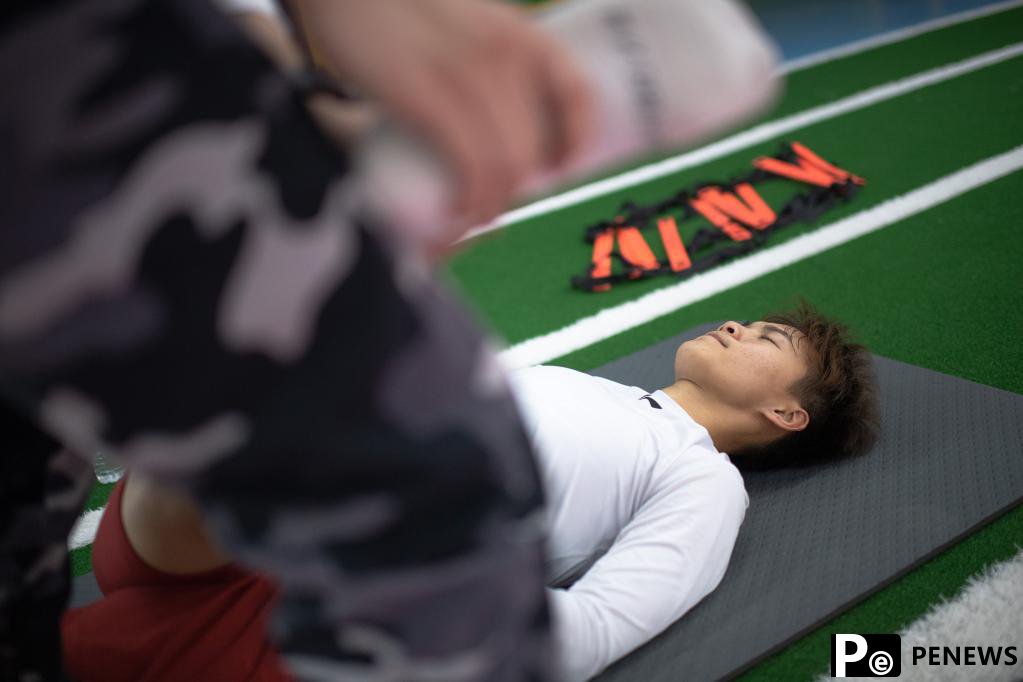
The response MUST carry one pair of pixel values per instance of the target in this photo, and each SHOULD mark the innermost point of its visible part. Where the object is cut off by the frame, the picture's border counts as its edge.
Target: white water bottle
(665, 73)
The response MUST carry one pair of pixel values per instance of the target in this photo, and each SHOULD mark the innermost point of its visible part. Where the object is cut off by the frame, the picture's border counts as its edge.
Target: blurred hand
(344, 121)
(494, 95)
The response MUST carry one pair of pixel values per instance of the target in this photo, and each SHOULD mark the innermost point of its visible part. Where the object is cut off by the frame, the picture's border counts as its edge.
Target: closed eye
(765, 336)
(771, 329)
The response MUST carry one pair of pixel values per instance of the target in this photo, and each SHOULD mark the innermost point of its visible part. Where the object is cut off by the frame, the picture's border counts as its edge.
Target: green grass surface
(98, 495)
(897, 606)
(81, 560)
(935, 290)
(828, 82)
(923, 291)
(944, 276)
(519, 281)
(834, 80)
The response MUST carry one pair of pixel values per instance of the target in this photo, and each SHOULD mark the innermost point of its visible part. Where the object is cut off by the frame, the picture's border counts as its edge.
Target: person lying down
(644, 503)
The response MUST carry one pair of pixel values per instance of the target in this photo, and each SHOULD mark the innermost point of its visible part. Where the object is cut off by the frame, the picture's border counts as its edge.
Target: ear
(790, 417)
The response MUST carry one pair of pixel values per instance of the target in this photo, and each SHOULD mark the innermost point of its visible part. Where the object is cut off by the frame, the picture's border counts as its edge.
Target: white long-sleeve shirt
(643, 511)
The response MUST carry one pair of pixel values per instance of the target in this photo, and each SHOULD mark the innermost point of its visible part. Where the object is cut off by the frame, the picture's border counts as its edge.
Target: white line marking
(834, 53)
(625, 316)
(85, 529)
(620, 318)
(752, 136)
(84, 532)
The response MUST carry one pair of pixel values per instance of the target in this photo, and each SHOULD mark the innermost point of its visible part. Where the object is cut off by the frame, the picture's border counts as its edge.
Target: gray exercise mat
(84, 590)
(816, 541)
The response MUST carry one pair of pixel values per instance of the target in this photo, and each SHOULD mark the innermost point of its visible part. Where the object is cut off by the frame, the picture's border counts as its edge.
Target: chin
(680, 353)
(684, 357)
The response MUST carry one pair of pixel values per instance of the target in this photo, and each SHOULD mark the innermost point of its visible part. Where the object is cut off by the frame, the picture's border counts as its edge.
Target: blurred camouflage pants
(182, 286)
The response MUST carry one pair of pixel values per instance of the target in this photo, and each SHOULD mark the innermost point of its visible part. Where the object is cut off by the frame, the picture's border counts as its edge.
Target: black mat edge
(746, 667)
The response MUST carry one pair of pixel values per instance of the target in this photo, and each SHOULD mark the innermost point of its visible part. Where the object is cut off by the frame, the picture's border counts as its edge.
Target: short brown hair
(839, 392)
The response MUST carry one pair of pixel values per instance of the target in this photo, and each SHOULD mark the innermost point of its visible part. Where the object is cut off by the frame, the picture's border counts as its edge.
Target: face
(746, 365)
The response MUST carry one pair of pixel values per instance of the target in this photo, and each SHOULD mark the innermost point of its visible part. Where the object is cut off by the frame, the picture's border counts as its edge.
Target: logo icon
(866, 655)
(653, 403)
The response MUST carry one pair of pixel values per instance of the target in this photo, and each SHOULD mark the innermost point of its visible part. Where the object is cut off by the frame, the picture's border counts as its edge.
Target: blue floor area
(802, 27)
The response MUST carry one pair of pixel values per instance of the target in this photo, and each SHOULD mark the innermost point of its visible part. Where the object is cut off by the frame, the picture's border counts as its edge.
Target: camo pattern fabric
(184, 288)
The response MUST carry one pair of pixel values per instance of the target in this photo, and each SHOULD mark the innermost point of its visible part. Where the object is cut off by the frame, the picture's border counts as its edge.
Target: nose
(733, 329)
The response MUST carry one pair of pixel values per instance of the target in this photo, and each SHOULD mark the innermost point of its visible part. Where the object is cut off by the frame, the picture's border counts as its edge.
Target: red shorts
(152, 625)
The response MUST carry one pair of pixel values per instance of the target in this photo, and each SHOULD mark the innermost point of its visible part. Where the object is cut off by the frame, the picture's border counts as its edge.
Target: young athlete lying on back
(644, 504)
(644, 507)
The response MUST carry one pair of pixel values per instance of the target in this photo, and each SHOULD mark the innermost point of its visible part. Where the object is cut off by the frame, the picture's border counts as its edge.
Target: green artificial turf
(924, 291)
(934, 290)
(824, 83)
(519, 280)
(895, 607)
(921, 291)
(81, 560)
(98, 495)
(833, 80)
(962, 278)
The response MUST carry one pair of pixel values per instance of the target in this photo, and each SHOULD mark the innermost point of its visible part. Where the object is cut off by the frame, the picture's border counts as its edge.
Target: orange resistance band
(636, 251)
(749, 207)
(676, 250)
(602, 247)
(725, 209)
(812, 169)
(709, 210)
(721, 208)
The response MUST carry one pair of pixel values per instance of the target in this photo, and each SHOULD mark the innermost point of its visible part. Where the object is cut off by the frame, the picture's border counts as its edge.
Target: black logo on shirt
(653, 403)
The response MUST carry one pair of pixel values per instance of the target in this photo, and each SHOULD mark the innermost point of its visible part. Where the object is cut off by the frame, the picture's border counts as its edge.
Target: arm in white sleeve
(671, 554)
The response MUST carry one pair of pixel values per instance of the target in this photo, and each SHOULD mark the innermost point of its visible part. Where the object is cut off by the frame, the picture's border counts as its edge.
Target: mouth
(717, 337)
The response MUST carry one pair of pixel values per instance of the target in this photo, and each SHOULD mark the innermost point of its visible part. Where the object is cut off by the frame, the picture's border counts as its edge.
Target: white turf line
(611, 321)
(985, 613)
(750, 137)
(85, 529)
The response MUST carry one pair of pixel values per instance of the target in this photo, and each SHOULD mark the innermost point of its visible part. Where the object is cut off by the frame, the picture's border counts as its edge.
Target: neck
(722, 422)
